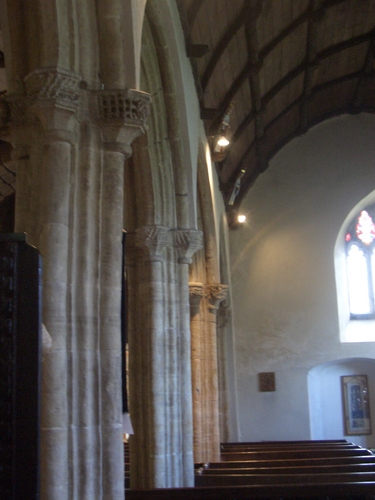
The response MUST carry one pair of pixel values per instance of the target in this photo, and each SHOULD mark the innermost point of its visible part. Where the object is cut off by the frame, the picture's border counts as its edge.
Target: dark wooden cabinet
(20, 368)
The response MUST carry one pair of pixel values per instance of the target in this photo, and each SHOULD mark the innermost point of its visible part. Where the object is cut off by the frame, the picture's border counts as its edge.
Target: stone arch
(206, 293)
(226, 363)
(161, 238)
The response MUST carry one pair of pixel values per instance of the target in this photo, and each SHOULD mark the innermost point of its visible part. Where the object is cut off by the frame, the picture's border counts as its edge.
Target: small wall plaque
(267, 382)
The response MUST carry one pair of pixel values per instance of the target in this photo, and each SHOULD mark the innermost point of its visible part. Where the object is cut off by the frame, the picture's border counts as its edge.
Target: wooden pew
(311, 442)
(286, 462)
(306, 479)
(268, 446)
(345, 491)
(294, 469)
(292, 453)
(280, 464)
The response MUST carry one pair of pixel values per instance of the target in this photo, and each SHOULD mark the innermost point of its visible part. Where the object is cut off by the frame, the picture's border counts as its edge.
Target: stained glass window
(360, 264)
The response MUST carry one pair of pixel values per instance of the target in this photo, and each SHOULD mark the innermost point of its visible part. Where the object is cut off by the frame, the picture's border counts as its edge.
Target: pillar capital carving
(196, 292)
(122, 116)
(54, 84)
(52, 97)
(153, 240)
(215, 294)
(187, 242)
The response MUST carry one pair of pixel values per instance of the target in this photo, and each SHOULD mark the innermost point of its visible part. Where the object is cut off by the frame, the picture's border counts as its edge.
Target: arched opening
(326, 403)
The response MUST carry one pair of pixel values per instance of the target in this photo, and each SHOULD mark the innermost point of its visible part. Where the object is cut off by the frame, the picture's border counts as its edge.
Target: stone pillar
(187, 242)
(149, 379)
(205, 373)
(121, 115)
(77, 203)
(223, 318)
(51, 103)
(196, 291)
(159, 356)
(215, 293)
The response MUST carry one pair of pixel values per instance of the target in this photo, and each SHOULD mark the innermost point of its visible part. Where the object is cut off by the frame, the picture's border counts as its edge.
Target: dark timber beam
(193, 11)
(224, 42)
(291, 75)
(311, 66)
(252, 171)
(253, 76)
(240, 79)
(366, 74)
(196, 50)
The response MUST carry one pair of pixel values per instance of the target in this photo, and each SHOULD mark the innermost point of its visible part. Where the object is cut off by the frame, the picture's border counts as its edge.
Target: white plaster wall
(284, 289)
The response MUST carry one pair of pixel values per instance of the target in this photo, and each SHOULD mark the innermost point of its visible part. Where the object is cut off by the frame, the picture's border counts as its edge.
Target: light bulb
(223, 141)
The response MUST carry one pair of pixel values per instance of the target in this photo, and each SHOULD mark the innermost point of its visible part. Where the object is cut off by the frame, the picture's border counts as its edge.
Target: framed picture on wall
(356, 404)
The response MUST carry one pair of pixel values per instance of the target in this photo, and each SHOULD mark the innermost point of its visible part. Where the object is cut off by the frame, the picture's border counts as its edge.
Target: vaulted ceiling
(267, 70)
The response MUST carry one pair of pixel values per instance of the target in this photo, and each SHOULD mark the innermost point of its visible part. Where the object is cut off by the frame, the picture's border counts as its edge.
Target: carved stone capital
(52, 97)
(187, 242)
(153, 240)
(54, 84)
(196, 292)
(122, 116)
(215, 294)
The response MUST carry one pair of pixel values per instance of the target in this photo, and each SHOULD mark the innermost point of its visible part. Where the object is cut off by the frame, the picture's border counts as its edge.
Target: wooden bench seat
(307, 479)
(291, 453)
(247, 448)
(345, 491)
(292, 461)
(296, 469)
(305, 444)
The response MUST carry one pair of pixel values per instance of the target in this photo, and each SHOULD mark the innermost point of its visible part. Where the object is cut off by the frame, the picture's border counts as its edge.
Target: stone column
(77, 203)
(159, 356)
(205, 372)
(114, 155)
(223, 318)
(215, 294)
(196, 291)
(149, 380)
(51, 102)
(121, 116)
(187, 242)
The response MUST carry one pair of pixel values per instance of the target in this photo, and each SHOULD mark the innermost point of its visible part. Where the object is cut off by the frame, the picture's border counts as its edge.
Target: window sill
(360, 331)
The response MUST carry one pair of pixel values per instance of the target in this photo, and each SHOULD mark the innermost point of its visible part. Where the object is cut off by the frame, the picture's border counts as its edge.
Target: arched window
(360, 264)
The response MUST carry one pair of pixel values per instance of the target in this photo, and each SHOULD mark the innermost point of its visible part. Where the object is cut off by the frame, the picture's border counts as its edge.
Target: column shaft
(110, 324)
(54, 245)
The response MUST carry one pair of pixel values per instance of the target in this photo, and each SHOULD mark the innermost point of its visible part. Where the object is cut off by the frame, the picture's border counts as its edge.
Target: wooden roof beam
(311, 52)
(237, 83)
(224, 42)
(366, 74)
(289, 77)
(259, 168)
(253, 76)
